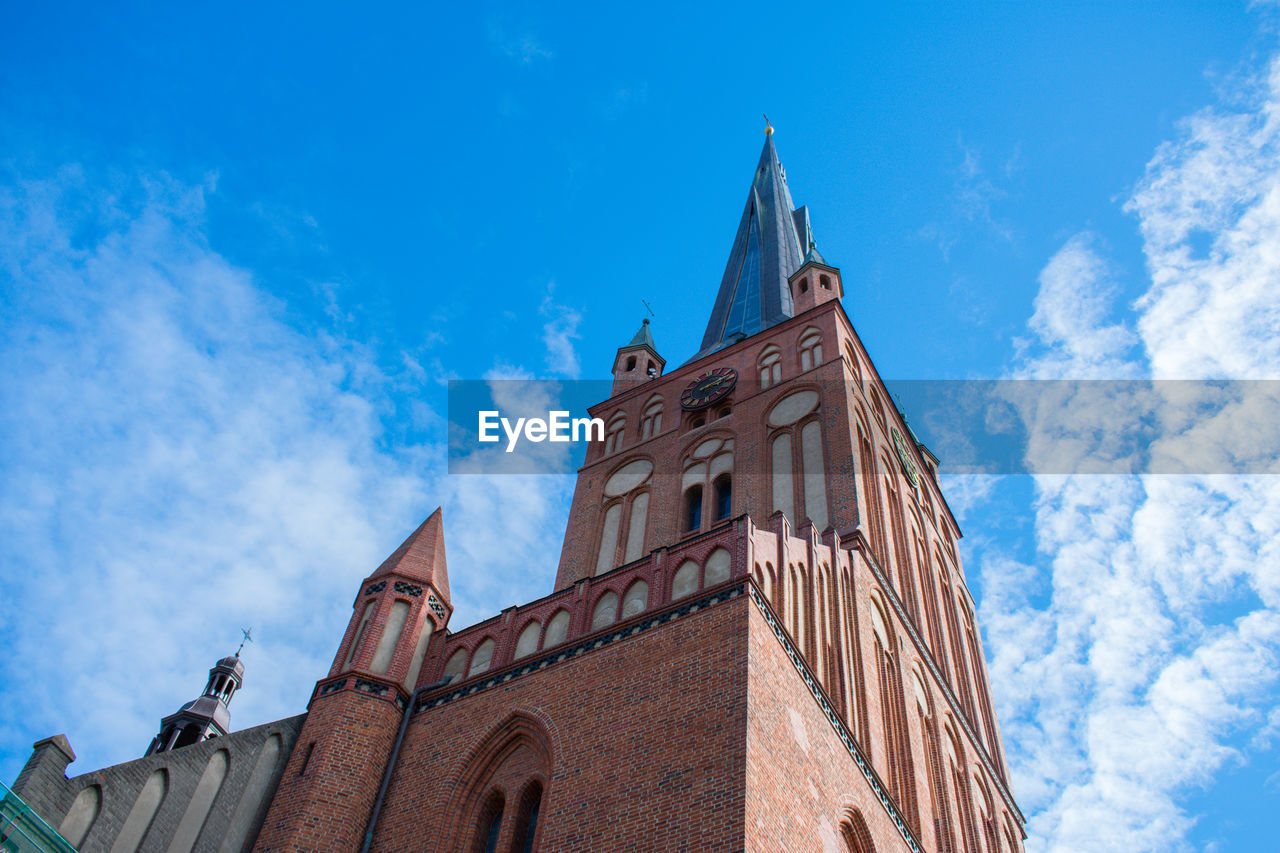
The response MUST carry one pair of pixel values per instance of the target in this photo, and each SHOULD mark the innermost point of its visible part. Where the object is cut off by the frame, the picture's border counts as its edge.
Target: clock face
(710, 387)
(909, 467)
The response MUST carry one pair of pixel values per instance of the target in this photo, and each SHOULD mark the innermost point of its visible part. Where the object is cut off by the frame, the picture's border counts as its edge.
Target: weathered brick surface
(801, 780)
(327, 791)
(646, 739)
(229, 817)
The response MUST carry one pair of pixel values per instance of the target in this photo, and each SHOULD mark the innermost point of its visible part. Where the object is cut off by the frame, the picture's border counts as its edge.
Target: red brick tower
(759, 639)
(330, 784)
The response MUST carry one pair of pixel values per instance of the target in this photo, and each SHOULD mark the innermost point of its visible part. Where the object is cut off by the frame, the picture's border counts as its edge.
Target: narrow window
(488, 825)
(804, 285)
(527, 818)
(825, 282)
(769, 365)
(724, 496)
(693, 508)
(631, 363)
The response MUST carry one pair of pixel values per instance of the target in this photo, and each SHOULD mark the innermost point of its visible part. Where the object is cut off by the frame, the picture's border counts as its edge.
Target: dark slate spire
(771, 243)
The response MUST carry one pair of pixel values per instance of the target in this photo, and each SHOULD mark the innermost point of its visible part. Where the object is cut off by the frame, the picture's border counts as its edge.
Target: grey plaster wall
(255, 759)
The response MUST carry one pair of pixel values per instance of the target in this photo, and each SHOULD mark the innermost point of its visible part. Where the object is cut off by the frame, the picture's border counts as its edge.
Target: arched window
(824, 281)
(855, 835)
(527, 643)
(527, 818)
(723, 487)
(651, 421)
(769, 366)
(693, 508)
(717, 568)
(707, 476)
(631, 363)
(489, 824)
(636, 599)
(557, 629)
(80, 817)
(810, 349)
(804, 285)
(482, 658)
(851, 361)
(878, 407)
(605, 612)
(897, 748)
(933, 762)
(457, 665)
(685, 580)
(613, 433)
(499, 792)
(626, 513)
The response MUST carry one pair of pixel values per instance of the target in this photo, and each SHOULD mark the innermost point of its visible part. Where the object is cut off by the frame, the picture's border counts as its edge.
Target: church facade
(760, 637)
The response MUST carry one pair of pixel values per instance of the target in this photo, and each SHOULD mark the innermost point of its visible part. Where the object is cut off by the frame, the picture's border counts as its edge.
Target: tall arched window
(527, 818)
(798, 474)
(851, 361)
(897, 748)
(651, 421)
(855, 835)
(706, 484)
(614, 431)
(933, 763)
(723, 497)
(960, 790)
(693, 507)
(626, 514)
(810, 349)
(769, 366)
(489, 824)
(499, 794)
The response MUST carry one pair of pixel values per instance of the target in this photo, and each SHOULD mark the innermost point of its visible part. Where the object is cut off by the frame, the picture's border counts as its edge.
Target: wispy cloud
(974, 196)
(559, 331)
(518, 43)
(177, 462)
(1137, 654)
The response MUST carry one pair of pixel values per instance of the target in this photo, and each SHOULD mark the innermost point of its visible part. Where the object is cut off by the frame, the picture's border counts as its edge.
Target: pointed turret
(638, 361)
(772, 240)
(421, 556)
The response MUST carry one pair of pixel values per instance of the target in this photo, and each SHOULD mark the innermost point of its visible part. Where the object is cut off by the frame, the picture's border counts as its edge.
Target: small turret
(816, 281)
(207, 715)
(638, 361)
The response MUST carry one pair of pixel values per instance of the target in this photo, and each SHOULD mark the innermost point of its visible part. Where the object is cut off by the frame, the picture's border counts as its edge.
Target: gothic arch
(514, 754)
(854, 833)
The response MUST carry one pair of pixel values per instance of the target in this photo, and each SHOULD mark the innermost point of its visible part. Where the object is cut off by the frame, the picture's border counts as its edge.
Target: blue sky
(242, 250)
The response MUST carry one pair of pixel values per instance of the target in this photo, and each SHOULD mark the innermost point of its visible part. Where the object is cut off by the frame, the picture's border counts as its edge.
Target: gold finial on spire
(768, 128)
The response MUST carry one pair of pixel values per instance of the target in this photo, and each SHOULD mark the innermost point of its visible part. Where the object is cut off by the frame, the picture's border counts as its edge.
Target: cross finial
(645, 302)
(768, 128)
(248, 638)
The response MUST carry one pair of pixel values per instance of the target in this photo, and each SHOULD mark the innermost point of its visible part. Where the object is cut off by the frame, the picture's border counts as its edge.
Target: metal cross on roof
(248, 638)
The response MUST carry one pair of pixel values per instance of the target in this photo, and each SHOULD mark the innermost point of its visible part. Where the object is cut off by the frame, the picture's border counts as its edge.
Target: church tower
(206, 716)
(355, 712)
(759, 638)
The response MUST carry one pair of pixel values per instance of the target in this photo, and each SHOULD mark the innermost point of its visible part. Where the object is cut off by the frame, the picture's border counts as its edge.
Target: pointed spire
(643, 338)
(422, 555)
(770, 245)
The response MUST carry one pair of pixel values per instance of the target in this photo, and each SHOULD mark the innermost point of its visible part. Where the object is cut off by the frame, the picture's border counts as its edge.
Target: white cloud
(177, 462)
(1138, 655)
(559, 331)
